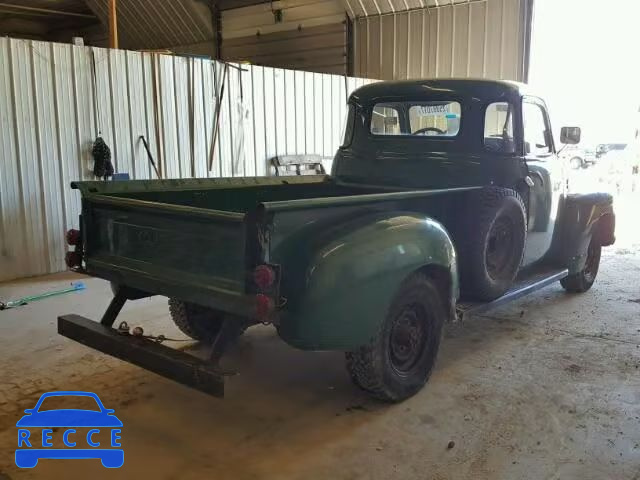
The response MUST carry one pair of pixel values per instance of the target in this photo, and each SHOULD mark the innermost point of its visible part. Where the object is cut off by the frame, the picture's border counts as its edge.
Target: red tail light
(73, 237)
(264, 306)
(264, 277)
(73, 260)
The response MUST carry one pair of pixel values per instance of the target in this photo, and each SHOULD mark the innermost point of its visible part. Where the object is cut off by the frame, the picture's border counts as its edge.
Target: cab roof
(440, 87)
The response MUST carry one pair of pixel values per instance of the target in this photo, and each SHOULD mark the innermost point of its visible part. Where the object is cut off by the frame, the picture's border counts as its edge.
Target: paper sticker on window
(434, 109)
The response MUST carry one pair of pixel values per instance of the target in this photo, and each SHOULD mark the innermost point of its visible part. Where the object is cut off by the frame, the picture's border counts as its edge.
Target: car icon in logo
(32, 446)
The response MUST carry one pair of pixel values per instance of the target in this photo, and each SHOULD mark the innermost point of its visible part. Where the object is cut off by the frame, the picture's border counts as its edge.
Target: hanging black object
(102, 166)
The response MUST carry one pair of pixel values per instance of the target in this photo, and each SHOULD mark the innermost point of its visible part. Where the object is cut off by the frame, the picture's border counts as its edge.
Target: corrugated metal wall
(49, 120)
(310, 35)
(476, 39)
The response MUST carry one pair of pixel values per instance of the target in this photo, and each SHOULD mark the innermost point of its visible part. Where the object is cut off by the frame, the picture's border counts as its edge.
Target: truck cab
(459, 133)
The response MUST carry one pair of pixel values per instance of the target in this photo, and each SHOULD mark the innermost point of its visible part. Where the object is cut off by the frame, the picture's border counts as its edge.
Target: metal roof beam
(49, 11)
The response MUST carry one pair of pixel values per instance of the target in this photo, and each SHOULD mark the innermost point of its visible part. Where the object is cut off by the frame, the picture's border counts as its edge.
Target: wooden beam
(113, 25)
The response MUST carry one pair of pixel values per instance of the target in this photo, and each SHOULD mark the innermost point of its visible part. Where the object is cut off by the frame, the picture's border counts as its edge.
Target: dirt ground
(548, 387)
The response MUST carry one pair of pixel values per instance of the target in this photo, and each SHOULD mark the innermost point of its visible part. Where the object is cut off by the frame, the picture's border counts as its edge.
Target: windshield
(432, 119)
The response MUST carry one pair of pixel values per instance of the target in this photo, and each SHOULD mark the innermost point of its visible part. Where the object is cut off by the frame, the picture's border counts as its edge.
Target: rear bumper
(165, 361)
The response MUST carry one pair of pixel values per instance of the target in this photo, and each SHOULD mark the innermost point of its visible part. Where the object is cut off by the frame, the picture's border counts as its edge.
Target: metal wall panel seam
(176, 100)
(502, 40)
(9, 194)
(39, 100)
(145, 88)
(109, 92)
(422, 44)
(453, 40)
(19, 156)
(485, 38)
(438, 18)
(228, 124)
(58, 129)
(468, 41)
(129, 117)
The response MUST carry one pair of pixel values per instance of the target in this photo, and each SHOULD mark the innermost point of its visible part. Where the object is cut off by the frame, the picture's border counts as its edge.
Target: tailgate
(194, 254)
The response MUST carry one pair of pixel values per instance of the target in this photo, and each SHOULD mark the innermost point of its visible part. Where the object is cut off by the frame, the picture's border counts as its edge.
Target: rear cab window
(434, 119)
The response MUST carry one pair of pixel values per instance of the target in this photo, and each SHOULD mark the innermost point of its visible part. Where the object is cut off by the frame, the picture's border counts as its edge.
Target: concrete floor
(548, 387)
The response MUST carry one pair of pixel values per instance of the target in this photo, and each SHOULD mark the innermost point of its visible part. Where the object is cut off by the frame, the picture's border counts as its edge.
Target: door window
(498, 128)
(536, 130)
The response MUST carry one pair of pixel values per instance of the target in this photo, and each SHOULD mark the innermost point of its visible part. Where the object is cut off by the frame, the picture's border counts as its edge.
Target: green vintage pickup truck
(446, 197)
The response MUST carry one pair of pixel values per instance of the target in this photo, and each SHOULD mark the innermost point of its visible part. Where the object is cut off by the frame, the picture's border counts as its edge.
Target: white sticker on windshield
(434, 109)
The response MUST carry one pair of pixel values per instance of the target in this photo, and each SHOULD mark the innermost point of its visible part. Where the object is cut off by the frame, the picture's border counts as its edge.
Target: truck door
(547, 175)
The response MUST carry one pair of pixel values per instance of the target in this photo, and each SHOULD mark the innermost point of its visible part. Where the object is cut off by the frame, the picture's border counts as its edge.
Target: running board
(521, 289)
(165, 361)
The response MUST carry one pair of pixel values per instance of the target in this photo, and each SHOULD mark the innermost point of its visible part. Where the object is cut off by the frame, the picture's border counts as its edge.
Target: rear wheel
(195, 321)
(399, 360)
(583, 280)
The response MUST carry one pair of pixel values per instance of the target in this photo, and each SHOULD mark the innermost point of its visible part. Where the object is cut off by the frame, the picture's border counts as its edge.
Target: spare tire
(195, 321)
(491, 243)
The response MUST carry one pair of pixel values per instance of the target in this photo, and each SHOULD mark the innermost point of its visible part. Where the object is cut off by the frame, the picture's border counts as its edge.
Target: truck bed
(197, 239)
(239, 195)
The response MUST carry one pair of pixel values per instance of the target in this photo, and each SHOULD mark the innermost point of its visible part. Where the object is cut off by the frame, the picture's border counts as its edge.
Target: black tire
(491, 243)
(398, 361)
(583, 280)
(195, 321)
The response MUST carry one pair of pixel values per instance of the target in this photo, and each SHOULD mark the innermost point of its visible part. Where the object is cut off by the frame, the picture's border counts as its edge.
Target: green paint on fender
(347, 276)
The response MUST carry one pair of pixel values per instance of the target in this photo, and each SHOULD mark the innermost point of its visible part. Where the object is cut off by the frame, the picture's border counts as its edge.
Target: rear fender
(343, 291)
(582, 217)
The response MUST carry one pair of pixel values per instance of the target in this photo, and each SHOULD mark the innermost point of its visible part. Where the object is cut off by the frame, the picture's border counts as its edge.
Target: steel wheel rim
(409, 338)
(591, 265)
(499, 247)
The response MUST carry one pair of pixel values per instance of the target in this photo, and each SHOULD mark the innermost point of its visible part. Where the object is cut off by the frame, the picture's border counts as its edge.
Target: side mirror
(570, 135)
(28, 411)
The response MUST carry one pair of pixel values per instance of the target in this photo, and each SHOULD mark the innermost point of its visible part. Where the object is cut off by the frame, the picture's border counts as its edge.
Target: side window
(498, 128)
(385, 120)
(536, 137)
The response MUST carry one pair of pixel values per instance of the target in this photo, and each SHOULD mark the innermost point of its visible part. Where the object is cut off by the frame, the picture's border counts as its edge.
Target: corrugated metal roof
(43, 19)
(363, 8)
(153, 24)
